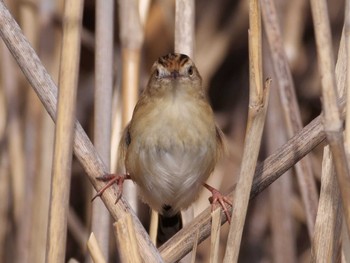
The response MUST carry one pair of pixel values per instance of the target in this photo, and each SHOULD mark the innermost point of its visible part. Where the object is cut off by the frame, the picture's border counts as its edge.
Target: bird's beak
(175, 74)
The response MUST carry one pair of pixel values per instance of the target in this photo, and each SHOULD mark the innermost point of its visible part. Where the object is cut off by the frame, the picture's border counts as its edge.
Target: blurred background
(221, 55)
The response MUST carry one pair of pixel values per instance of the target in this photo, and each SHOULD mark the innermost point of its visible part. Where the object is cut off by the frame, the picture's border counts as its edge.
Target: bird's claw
(111, 179)
(218, 197)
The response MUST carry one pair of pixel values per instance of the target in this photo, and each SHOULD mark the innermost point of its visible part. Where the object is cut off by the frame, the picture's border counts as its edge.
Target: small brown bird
(171, 145)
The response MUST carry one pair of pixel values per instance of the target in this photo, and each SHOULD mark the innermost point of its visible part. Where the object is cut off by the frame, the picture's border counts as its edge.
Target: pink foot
(218, 197)
(112, 179)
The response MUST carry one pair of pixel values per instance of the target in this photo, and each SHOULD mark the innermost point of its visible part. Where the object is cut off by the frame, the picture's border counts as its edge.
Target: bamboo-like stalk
(258, 101)
(280, 192)
(347, 45)
(131, 38)
(46, 136)
(326, 241)
(332, 121)
(291, 109)
(266, 173)
(103, 106)
(35, 194)
(42, 83)
(184, 27)
(126, 240)
(95, 250)
(61, 171)
(215, 236)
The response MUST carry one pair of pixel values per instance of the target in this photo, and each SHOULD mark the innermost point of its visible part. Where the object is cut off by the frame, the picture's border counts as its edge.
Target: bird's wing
(125, 141)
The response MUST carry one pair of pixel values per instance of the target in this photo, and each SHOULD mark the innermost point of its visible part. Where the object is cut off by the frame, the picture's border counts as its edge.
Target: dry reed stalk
(266, 173)
(332, 121)
(34, 195)
(95, 250)
(326, 244)
(126, 240)
(61, 171)
(326, 241)
(131, 39)
(184, 27)
(280, 192)
(215, 236)
(153, 228)
(258, 101)
(347, 45)
(291, 109)
(43, 179)
(104, 52)
(43, 84)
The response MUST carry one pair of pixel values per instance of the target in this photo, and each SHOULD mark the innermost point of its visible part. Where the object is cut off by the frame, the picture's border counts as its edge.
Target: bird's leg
(218, 197)
(112, 179)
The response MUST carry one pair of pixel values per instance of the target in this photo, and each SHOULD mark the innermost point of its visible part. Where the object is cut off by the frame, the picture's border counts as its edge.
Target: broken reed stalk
(257, 108)
(291, 109)
(126, 240)
(104, 53)
(61, 170)
(46, 89)
(131, 39)
(215, 236)
(326, 241)
(95, 250)
(333, 124)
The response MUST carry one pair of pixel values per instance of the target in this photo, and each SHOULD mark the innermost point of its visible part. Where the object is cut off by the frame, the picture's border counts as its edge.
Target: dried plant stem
(43, 84)
(153, 228)
(326, 241)
(61, 171)
(291, 109)
(258, 101)
(257, 114)
(184, 27)
(332, 121)
(103, 106)
(126, 240)
(95, 250)
(347, 46)
(215, 236)
(131, 38)
(280, 192)
(266, 173)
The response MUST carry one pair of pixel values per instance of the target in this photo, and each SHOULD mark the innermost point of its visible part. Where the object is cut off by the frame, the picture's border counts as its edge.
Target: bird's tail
(169, 225)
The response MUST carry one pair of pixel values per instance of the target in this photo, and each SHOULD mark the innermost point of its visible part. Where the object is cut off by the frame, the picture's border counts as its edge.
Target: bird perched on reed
(171, 145)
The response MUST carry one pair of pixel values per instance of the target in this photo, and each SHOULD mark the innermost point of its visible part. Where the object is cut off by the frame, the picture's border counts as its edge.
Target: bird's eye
(157, 73)
(190, 71)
